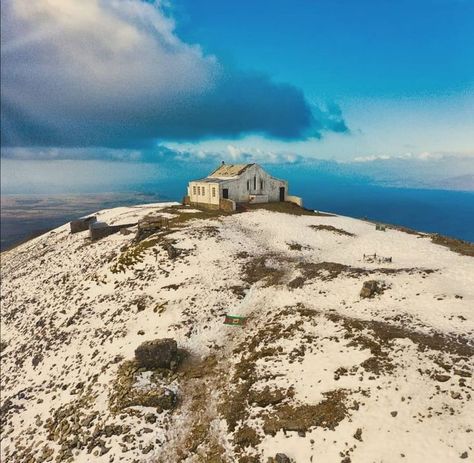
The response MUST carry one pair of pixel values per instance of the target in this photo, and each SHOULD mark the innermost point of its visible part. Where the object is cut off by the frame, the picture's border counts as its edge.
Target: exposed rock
(87, 422)
(358, 434)
(37, 359)
(147, 449)
(282, 458)
(297, 282)
(267, 396)
(246, 436)
(289, 417)
(112, 430)
(3, 345)
(371, 288)
(160, 353)
(442, 378)
(150, 225)
(171, 250)
(150, 418)
(128, 394)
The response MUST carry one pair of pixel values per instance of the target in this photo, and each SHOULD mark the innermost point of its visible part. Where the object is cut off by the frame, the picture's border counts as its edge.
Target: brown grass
(125, 395)
(295, 246)
(385, 332)
(291, 417)
(330, 228)
(260, 269)
(197, 377)
(286, 208)
(330, 270)
(184, 217)
(461, 247)
(134, 254)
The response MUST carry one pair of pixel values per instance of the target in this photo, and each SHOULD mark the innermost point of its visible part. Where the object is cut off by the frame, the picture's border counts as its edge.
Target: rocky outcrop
(160, 353)
(279, 458)
(136, 386)
(150, 225)
(371, 288)
(171, 250)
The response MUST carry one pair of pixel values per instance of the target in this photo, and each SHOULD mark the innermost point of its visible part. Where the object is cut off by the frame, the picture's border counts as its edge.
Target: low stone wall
(295, 200)
(80, 225)
(99, 230)
(227, 205)
(149, 225)
(211, 207)
(224, 205)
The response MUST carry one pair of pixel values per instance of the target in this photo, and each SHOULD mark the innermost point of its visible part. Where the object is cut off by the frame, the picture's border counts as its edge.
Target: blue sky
(388, 84)
(403, 72)
(342, 49)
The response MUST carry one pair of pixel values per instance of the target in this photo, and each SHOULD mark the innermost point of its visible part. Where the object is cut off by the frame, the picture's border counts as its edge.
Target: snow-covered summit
(317, 373)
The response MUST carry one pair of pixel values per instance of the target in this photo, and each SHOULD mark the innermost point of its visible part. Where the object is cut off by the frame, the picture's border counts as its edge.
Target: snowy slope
(317, 373)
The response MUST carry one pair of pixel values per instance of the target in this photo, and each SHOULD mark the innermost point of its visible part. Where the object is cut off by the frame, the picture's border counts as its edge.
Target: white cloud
(114, 73)
(423, 156)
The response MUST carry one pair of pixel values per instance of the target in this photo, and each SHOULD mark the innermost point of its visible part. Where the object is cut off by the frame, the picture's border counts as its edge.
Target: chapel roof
(229, 170)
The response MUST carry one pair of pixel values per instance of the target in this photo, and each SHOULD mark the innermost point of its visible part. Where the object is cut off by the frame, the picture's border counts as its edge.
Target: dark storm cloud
(114, 74)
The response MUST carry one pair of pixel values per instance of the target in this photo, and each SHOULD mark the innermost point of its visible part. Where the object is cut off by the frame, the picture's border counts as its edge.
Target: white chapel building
(238, 183)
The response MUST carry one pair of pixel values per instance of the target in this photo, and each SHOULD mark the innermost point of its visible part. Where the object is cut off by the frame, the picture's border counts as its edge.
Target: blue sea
(448, 213)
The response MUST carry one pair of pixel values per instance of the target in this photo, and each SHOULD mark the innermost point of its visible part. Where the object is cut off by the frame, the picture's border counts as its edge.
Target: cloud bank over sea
(115, 74)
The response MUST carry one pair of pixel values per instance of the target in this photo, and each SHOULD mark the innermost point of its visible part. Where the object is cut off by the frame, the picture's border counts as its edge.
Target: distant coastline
(23, 217)
(431, 211)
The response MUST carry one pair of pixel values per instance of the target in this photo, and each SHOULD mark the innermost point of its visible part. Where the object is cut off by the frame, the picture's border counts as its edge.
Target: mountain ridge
(317, 371)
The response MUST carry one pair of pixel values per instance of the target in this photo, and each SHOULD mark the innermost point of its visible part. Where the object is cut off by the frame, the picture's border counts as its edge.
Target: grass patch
(134, 255)
(384, 333)
(184, 217)
(330, 228)
(290, 417)
(327, 271)
(286, 208)
(126, 395)
(461, 247)
(198, 378)
(295, 246)
(261, 269)
(246, 436)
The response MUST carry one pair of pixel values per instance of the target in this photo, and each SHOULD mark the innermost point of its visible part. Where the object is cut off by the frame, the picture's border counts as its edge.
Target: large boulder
(282, 458)
(371, 288)
(171, 250)
(160, 353)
